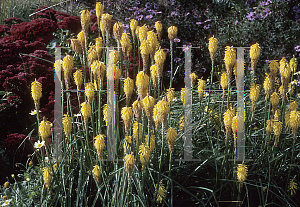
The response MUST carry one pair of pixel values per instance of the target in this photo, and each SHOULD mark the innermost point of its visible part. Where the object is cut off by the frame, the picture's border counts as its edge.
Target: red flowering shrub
(38, 29)
(12, 20)
(71, 23)
(14, 144)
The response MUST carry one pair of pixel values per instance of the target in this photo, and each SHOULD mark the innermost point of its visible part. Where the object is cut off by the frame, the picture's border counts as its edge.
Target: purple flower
(136, 12)
(208, 20)
(151, 11)
(128, 18)
(263, 4)
(297, 48)
(149, 16)
(267, 61)
(135, 8)
(140, 17)
(148, 5)
(203, 70)
(93, 11)
(166, 50)
(176, 40)
(265, 13)
(251, 16)
(137, 2)
(297, 17)
(236, 22)
(176, 60)
(195, 15)
(295, 8)
(173, 13)
(125, 27)
(198, 23)
(206, 26)
(155, 6)
(186, 14)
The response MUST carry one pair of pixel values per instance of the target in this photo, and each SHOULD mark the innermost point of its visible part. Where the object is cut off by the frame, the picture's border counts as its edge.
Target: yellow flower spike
(67, 66)
(36, 93)
(170, 95)
(201, 88)
(135, 133)
(228, 116)
(97, 173)
(285, 72)
(153, 43)
(254, 93)
(99, 11)
(155, 116)
(148, 104)
(67, 125)
(126, 115)
(105, 113)
(118, 30)
(269, 128)
(158, 27)
(92, 54)
(274, 100)
(99, 47)
(293, 64)
(102, 28)
(242, 172)
(78, 78)
(76, 46)
(161, 194)
(293, 106)
(143, 33)
(133, 25)
(294, 122)
(145, 154)
(152, 141)
(129, 49)
(47, 176)
(137, 32)
(86, 111)
(194, 78)
(106, 20)
(6, 184)
(85, 20)
(89, 92)
(45, 129)
(181, 124)
(267, 85)
(274, 67)
(224, 82)
(160, 57)
(98, 70)
(254, 54)
(81, 38)
(145, 51)
(128, 88)
(137, 109)
(154, 76)
(125, 43)
(142, 83)
(163, 110)
(171, 137)
(99, 145)
(277, 115)
(114, 56)
(229, 59)
(277, 128)
(293, 186)
(182, 96)
(172, 33)
(129, 163)
(117, 73)
(212, 47)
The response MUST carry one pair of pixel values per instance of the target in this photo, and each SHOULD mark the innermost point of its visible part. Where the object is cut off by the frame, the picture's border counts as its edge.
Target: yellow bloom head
(76, 46)
(36, 93)
(106, 20)
(81, 38)
(154, 76)
(137, 109)
(242, 172)
(99, 145)
(78, 78)
(163, 110)
(229, 59)
(172, 33)
(67, 125)
(129, 163)
(267, 84)
(158, 27)
(143, 33)
(133, 25)
(126, 115)
(86, 111)
(254, 51)
(137, 133)
(170, 95)
(85, 20)
(97, 173)
(254, 93)
(212, 47)
(293, 64)
(274, 66)
(145, 153)
(148, 104)
(118, 30)
(67, 66)
(142, 83)
(201, 88)
(99, 10)
(47, 176)
(45, 129)
(171, 137)
(128, 87)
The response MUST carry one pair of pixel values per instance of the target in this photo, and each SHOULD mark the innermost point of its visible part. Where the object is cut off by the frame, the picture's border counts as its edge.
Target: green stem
(171, 75)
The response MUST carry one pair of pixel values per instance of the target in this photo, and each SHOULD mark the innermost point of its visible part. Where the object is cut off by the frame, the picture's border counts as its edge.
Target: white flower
(27, 179)
(38, 144)
(6, 203)
(46, 159)
(34, 112)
